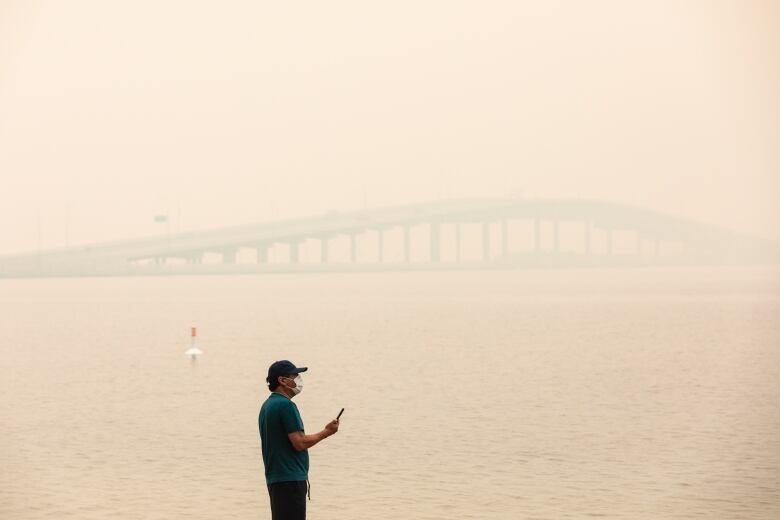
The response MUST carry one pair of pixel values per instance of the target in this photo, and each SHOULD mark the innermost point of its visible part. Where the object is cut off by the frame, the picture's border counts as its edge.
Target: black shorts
(288, 500)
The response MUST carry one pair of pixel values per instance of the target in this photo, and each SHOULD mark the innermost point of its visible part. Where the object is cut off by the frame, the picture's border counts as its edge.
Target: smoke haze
(228, 113)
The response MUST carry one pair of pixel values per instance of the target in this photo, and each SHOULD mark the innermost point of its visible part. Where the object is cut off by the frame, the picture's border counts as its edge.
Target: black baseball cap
(282, 368)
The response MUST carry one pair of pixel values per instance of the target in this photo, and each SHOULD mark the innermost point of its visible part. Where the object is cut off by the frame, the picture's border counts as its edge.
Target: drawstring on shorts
(308, 489)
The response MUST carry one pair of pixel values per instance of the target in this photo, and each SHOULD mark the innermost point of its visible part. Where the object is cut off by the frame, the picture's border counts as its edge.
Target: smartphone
(339, 415)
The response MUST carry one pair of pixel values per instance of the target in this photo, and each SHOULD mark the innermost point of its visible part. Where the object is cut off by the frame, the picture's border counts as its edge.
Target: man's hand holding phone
(333, 426)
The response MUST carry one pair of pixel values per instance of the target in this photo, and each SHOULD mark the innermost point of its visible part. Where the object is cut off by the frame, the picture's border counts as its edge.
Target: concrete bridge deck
(222, 250)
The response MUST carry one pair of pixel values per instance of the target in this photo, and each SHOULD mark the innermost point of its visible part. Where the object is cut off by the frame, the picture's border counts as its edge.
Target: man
(285, 443)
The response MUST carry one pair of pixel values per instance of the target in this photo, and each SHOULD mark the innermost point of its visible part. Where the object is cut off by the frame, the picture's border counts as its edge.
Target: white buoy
(193, 351)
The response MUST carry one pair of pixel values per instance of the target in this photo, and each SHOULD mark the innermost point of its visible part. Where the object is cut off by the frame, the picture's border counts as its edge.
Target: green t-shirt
(278, 417)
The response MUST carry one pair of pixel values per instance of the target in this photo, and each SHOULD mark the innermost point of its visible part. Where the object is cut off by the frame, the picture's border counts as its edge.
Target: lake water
(631, 394)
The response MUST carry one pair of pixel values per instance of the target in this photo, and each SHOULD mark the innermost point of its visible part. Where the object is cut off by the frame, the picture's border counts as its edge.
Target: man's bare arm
(300, 441)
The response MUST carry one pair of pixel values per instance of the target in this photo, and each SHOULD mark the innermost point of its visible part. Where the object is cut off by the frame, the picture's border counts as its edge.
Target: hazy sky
(224, 113)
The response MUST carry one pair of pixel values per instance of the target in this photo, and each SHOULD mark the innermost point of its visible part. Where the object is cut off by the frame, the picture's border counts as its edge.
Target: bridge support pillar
(485, 240)
(537, 236)
(586, 223)
(262, 254)
(353, 248)
(435, 249)
(504, 238)
(295, 252)
(457, 241)
(407, 244)
(229, 256)
(380, 246)
(324, 250)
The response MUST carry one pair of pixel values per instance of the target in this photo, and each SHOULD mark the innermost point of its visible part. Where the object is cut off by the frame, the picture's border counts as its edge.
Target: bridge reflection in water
(454, 234)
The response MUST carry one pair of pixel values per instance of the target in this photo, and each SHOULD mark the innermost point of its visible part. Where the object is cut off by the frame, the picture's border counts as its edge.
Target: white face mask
(298, 385)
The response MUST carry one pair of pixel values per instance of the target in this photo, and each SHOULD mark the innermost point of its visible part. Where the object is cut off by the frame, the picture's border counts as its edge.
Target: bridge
(477, 233)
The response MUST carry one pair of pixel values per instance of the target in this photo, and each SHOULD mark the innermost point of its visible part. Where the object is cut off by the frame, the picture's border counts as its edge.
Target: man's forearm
(314, 438)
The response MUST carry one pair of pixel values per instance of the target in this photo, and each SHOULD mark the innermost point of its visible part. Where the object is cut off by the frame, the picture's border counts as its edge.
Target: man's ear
(279, 379)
